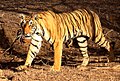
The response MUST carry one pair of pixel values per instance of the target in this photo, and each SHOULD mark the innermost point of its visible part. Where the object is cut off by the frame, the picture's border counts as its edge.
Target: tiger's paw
(21, 68)
(55, 69)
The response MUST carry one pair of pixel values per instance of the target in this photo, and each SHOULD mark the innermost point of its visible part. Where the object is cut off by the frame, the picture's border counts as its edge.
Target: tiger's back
(77, 23)
(70, 25)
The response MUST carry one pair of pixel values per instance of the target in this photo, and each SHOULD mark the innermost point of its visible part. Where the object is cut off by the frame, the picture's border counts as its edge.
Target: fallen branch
(19, 35)
(11, 45)
(109, 32)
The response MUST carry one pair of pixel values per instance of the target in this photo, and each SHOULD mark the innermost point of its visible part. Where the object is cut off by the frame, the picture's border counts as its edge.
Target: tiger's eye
(30, 22)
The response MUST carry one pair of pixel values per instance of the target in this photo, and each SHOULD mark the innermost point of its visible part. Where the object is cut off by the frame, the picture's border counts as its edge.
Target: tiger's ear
(22, 19)
(36, 17)
(22, 16)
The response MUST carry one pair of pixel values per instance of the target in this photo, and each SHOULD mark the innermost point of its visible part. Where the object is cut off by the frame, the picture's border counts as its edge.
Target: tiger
(58, 28)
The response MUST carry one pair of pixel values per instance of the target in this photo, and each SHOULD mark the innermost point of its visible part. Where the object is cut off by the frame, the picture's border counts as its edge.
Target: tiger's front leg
(33, 50)
(58, 46)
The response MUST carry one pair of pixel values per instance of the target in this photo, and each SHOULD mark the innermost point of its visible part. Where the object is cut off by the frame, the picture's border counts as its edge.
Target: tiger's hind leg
(101, 40)
(82, 42)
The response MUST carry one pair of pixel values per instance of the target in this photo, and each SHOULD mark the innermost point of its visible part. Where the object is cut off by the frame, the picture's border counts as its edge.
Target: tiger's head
(28, 26)
(36, 25)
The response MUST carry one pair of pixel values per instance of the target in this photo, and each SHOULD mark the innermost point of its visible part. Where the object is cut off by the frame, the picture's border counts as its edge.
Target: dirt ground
(98, 69)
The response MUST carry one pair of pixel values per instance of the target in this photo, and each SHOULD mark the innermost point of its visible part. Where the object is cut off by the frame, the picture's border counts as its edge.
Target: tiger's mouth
(25, 38)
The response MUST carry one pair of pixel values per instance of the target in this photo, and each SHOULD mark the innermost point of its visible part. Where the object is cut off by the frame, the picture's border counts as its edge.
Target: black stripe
(35, 40)
(66, 21)
(83, 46)
(76, 21)
(61, 19)
(102, 43)
(83, 51)
(85, 28)
(33, 53)
(65, 38)
(69, 21)
(84, 14)
(31, 56)
(88, 31)
(69, 35)
(99, 39)
(63, 22)
(82, 19)
(34, 45)
(92, 23)
(26, 36)
(53, 42)
(75, 18)
(78, 14)
(42, 30)
(70, 15)
(52, 13)
(86, 37)
(81, 41)
(49, 39)
(72, 23)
